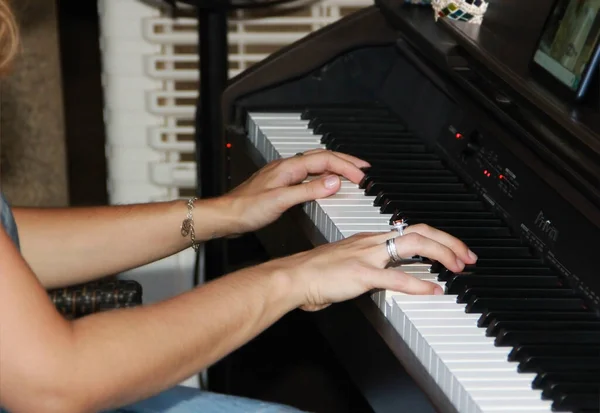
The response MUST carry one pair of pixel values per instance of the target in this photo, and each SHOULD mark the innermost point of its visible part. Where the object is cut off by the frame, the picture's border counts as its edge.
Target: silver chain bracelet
(187, 226)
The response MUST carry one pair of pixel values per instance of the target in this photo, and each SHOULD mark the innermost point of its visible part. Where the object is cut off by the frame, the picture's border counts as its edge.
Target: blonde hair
(9, 35)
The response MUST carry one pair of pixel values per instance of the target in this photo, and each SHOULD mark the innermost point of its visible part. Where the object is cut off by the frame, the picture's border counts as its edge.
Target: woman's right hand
(343, 270)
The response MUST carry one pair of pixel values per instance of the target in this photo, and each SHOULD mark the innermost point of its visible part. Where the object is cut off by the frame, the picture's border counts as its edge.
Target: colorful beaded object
(471, 11)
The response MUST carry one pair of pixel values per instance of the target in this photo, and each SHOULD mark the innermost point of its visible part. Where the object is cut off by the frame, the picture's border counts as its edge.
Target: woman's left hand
(280, 185)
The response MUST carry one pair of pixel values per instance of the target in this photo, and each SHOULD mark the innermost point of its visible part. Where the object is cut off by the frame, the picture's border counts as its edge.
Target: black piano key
(416, 164)
(375, 145)
(460, 283)
(402, 158)
(444, 274)
(511, 269)
(475, 206)
(525, 293)
(496, 266)
(317, 121)
(479, 305)
(383, 197)
(513, 338)
(424, 165)
(411, 215)
(547, 325)
(374, 183)
(464, 232)
(539, 364)
(411, 187)
(332, 140)
(344, 111)
(365, 135)
(522, 352)
(397, 173)
(555, 390)
(495, 251)
(568, 402)
(546, 379)
(510, 263)
(334, 127)
(493, 242)
(461, 223)
(579, 314)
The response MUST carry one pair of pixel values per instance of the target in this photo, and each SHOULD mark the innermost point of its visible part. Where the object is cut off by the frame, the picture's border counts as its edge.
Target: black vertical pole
(210, 142)
(210, 145)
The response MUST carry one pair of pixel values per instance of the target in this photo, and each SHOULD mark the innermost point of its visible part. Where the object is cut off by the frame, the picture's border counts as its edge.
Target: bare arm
(52, 365)
(66, 246)
(49, 364)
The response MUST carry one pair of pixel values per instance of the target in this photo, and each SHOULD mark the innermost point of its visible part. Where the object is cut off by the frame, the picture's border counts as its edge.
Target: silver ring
(399, 225)
(390, 244)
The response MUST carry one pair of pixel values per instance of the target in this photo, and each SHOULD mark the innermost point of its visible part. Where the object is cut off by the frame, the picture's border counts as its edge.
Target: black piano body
(465, 91)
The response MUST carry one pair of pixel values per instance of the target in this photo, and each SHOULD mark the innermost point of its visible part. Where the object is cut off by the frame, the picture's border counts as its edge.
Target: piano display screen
(569, 42)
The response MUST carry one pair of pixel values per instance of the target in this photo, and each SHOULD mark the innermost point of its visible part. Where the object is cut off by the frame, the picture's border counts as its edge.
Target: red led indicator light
(487, 173)
(228, 145)
(501, 176)
(458, 135)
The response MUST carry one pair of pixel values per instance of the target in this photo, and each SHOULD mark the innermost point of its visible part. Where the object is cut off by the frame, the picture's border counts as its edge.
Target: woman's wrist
(201, 220)
(287, 281)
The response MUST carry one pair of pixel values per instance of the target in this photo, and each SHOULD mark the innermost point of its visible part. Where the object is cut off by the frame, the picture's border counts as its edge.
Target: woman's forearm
(106, 240)
(114, 358)
(175, 339)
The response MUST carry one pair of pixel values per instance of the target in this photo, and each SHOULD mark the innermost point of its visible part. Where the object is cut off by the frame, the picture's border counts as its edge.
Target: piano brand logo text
(545, 225)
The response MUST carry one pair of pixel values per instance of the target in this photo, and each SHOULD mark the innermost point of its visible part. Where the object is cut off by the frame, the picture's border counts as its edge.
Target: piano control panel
(540, 214)
(473, 149)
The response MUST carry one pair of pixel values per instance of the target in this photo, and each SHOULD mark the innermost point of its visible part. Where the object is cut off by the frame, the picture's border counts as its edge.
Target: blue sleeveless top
(8, 221)
(10, 226)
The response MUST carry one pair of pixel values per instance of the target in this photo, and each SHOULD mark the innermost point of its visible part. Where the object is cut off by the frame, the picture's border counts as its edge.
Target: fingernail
(472, 255)
(460, 264)
(331, 181)
(438, 291)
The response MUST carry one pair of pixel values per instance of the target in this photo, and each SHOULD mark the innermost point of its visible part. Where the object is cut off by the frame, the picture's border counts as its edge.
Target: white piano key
(345, 200)
(282, 125)
(443, 323)
(363, 227)
(257, 116)
(424, 314)
(515, 406)
(505, 394)
(283, 133)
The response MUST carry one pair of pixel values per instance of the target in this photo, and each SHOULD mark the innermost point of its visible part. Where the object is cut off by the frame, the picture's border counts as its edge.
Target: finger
(359, 163)
(413, 244)
(288, 196)
(400, 281)
(460, 248)
(295, 170)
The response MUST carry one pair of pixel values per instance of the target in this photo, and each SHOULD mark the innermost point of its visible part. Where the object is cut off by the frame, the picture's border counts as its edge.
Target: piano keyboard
(508, 335)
